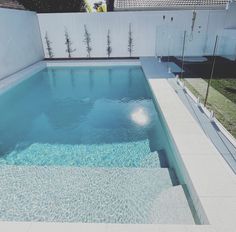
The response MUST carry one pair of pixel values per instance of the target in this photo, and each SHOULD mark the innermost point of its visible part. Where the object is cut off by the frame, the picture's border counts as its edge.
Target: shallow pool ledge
(210, 181)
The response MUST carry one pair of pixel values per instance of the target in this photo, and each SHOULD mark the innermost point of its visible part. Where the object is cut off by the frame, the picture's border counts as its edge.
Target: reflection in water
(91, 81)
(21, 106)
(52, 76)
(72, 114)
(110, 77)
(130, 78)
(72, 78)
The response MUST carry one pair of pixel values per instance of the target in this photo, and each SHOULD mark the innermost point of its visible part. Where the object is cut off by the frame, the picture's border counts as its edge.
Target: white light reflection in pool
(140, 117)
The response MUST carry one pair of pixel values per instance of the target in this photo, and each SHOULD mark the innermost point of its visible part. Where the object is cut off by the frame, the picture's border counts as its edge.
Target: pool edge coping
(94, 63)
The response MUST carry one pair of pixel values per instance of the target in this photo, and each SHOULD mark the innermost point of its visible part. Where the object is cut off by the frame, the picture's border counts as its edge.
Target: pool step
(91, 195)
(171, 206)
(154, 160)
(133, 154)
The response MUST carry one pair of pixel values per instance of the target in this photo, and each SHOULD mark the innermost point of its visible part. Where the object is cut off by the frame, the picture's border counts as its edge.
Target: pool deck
(211, 181)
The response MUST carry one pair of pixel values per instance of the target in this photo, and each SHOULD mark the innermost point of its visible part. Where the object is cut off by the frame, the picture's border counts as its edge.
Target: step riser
(107, 155)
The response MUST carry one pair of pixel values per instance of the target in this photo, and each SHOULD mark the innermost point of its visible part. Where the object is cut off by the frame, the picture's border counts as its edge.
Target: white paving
(211, 183)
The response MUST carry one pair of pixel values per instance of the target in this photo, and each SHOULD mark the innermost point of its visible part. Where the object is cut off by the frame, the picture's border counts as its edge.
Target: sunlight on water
(140, 117)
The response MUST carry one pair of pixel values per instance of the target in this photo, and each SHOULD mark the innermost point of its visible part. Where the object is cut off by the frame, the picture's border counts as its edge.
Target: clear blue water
(86, 145)
(99, 117)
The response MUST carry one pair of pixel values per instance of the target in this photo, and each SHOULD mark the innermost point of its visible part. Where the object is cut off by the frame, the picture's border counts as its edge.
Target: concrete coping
(93, 63)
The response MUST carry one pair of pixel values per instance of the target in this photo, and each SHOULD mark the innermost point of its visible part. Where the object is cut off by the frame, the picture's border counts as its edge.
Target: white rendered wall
(151, 33)
(20, 41)
(231, 16)
(227, 44)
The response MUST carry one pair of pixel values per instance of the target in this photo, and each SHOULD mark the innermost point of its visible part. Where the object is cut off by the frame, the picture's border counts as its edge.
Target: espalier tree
(48, 44)
(109, 48)
(68, 43)
(130, 41)
(87, 41)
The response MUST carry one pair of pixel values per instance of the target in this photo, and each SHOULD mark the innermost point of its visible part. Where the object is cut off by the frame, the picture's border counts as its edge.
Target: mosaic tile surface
(95, 195)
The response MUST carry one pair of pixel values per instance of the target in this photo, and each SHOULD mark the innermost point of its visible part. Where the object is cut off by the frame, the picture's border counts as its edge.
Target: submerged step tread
(95, 195)
(171, 206)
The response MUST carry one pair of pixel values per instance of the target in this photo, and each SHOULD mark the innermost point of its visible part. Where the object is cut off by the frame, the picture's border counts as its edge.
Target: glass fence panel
(212, 79)
(221, 98)
(169, 41)
(196, 66)
(195, 44)
(169, 47)
(206, 64)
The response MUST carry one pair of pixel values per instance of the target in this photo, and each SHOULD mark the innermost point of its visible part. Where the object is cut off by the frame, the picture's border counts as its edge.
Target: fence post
(156, 43)
(183, 50)
(212, 70)
(168, 53)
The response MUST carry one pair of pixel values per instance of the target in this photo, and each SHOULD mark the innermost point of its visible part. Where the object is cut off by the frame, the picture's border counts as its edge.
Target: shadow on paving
(224, 68)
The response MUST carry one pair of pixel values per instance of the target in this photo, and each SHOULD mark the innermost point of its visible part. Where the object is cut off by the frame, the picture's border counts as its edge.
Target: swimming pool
(85, 144)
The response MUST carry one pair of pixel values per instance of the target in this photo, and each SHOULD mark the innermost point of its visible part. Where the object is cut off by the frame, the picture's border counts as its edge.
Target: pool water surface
(84, 144)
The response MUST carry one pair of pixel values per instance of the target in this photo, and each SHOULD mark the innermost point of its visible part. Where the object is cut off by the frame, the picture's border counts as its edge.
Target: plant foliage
(53, 6)
(48, 44)
(130, 41)
(110, 5)
(87, 41)
(68, 43)
(109, 48)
